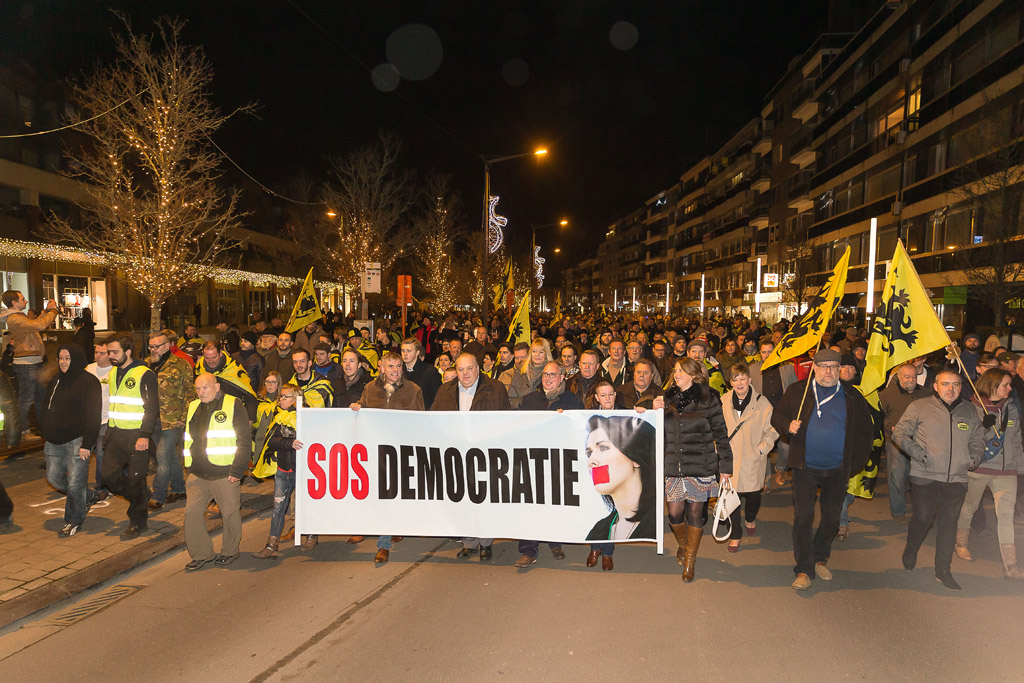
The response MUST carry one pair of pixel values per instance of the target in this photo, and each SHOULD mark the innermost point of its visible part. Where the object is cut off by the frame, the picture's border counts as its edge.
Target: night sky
(624, 94)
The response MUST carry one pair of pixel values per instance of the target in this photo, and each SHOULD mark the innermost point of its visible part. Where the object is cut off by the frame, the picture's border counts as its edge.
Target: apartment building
(887, 126)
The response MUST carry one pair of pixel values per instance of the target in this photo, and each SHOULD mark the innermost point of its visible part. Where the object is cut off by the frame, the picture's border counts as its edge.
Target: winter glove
(989, 420)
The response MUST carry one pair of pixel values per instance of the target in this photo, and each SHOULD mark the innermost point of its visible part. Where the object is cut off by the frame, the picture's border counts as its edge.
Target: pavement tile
(9, 584)
(82, 564)
(60, 573)
(38, 583)
(10, 595)
(28, 574)
(50, 565)
(14, 567)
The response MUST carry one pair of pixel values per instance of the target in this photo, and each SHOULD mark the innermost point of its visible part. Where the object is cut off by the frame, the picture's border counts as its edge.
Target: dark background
(621, 125)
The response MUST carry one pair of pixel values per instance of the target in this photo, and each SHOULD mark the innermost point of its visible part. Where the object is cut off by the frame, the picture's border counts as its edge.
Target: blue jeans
(604, 548)
(69, 474)
(29, 390)
(844, 514)
(898, 474)
(98, 450)
(168, 467)
(284, 484)
(384, 542)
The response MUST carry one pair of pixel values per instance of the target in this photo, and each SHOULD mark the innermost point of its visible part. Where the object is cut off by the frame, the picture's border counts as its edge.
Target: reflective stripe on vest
(126, 405)
(220, 435)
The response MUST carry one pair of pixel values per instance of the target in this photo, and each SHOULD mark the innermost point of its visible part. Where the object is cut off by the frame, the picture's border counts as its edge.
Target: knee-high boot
(693, 535)
(679, 531)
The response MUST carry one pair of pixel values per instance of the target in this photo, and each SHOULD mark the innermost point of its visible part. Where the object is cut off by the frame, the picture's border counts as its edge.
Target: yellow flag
(519, 328)
(307, 308)
(905, 325)
(504, 286)
(558, 307)
(806, 331)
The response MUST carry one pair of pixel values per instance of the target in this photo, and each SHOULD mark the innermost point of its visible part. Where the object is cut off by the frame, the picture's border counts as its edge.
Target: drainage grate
(95, 604)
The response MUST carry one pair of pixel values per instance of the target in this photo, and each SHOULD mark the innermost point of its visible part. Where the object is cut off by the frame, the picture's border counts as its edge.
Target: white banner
(543, 476)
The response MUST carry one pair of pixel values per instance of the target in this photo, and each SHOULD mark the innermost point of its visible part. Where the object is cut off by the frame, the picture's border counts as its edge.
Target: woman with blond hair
(527, 379)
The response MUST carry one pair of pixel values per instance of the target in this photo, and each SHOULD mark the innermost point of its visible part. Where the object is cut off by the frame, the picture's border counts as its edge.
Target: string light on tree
(495, 236)
(538, 267)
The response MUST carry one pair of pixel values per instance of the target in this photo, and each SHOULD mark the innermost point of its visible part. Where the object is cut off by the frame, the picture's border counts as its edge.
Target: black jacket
(73, 403)
(427, 378)
(345, 395)
(860, 427)
(537, 400)
(696, 438)
(580, 385)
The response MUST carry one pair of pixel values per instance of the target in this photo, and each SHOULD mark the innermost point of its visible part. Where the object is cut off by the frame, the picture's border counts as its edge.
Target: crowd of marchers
(205, 413)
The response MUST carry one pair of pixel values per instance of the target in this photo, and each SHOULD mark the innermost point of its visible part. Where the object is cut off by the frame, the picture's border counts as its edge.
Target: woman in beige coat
(748, 417)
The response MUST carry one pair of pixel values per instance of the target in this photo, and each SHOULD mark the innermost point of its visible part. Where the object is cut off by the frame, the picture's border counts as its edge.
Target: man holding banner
(472, 391)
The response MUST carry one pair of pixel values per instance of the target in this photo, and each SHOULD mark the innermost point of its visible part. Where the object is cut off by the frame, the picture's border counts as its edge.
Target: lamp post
(490, 160)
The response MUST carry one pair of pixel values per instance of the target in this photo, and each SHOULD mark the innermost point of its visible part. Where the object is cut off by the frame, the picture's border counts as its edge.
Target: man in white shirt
(101, 369)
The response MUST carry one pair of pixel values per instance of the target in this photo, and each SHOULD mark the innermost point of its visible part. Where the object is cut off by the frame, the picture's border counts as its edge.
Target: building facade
(899, 124)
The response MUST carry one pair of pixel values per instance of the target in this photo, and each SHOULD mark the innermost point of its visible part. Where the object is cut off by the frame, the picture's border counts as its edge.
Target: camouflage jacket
(174, 379)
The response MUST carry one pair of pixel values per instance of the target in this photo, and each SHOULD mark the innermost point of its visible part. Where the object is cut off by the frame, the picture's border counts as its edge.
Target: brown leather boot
(269, 551)
(693, 535)
(309, 542)
(679, 531)
(1010, 569)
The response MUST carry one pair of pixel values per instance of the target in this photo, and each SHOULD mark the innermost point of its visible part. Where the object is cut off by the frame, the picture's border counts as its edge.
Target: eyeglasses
(830, 368)
(154, 347)
(550, 375)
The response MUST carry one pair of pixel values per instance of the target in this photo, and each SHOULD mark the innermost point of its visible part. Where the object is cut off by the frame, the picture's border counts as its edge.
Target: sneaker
(558, 553)
(802, 582)
(69, 530)
(524, 561)
(843, 533)
(198, 564)
(223, 560)
(822, 571)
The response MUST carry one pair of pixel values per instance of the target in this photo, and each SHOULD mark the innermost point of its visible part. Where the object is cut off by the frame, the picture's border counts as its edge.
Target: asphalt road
(330, 614)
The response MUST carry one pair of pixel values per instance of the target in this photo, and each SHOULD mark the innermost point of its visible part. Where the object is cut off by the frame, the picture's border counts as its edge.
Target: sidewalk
(38, 569)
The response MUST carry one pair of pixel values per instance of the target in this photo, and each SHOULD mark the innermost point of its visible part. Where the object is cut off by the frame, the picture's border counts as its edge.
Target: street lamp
(535, 250)
(490, 160)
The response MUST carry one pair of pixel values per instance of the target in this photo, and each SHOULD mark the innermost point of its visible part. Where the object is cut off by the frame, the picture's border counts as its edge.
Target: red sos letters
(344, 473)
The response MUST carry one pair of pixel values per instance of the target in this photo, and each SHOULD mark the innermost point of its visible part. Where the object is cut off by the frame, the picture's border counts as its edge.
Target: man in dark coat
(354, 378)
(829, 441)
(472, 391)
(417, 370)
(642, 390)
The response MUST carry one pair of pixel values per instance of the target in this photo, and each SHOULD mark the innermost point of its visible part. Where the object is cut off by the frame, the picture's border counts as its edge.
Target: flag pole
(960, 362)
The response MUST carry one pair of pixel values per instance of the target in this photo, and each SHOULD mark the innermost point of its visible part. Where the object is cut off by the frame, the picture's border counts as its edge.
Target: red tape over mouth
(599, 474)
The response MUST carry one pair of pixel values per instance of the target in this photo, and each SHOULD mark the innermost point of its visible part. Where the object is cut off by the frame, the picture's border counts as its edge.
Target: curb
(61, 589)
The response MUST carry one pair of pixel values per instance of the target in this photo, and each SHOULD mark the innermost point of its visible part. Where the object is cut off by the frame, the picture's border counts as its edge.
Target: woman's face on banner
(609, 467)
(605, 396)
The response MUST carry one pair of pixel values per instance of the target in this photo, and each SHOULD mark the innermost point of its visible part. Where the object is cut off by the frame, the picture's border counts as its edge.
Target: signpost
(371, 282)
(404, 297)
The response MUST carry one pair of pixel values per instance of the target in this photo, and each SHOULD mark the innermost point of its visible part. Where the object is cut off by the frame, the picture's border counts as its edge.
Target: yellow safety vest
(220, 433)
(126, 405)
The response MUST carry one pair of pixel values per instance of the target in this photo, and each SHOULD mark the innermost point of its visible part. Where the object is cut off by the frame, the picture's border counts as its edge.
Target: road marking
(344, 617)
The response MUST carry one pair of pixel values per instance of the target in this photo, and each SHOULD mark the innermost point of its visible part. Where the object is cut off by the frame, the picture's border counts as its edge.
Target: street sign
(771, 280)
(404, 290)
(371, 278)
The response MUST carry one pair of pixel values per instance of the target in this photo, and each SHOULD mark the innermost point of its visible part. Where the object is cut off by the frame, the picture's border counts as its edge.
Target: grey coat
(941, 444)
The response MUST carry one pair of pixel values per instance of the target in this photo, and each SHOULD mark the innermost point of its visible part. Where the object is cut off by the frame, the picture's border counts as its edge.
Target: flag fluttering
(519, 328)
(307, 308)
(504, 286)
(807, 330)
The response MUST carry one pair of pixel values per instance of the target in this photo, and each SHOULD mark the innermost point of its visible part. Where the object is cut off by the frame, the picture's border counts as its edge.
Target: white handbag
(728, 501)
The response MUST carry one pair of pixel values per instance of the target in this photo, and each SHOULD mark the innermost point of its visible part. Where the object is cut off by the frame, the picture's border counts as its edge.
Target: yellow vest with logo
(126, 405)
(220, 433)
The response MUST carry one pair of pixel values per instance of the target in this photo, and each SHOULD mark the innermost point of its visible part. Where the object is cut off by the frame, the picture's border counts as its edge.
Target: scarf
(555, 393)
(740, 404)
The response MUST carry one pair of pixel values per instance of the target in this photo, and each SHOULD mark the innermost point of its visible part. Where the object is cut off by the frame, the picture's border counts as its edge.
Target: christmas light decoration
(495, 223)
(538, 267)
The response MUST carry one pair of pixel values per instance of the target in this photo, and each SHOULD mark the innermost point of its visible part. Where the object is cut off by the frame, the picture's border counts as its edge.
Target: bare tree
(370, 196)
(797, 285)
(155, 210)
(991, 183)
(439, 232)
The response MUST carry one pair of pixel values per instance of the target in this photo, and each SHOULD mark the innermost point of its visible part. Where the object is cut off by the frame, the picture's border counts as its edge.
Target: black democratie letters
(420, 473)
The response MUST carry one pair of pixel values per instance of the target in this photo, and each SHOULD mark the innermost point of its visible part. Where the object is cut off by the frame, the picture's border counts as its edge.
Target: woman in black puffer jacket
(697, 454)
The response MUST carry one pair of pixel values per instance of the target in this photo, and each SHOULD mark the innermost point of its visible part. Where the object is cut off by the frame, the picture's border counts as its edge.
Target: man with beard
(233, 379)
(175, 389)
(281, 360)
(132, 418)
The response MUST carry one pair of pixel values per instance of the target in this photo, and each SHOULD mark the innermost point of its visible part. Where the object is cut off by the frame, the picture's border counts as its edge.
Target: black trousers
(6, 504)
(125, 470)
(936, 503)
(751, 504)
(810, 548)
